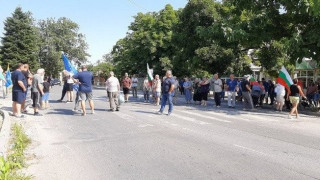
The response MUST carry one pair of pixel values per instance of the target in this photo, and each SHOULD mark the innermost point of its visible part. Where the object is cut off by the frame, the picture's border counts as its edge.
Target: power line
(137, 5)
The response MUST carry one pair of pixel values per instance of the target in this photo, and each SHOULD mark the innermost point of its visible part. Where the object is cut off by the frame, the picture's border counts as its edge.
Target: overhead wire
(137, 5)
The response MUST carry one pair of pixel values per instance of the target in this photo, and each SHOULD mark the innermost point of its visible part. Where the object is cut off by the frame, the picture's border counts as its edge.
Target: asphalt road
(193, 143)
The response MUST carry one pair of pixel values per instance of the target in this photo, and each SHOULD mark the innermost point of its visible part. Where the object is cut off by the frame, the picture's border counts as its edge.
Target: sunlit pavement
(193, 143)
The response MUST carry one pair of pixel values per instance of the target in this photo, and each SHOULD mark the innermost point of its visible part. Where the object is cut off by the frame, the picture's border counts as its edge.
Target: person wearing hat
(246, 93)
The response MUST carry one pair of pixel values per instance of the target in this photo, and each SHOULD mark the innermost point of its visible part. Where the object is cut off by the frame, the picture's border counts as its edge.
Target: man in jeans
(134, 86)
(231, 86)
(167, 93)
(113, 89)
(246, 93)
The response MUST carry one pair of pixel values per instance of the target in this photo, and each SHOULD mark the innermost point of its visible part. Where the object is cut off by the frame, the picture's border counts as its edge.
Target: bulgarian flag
(150, 74)
(284, 78)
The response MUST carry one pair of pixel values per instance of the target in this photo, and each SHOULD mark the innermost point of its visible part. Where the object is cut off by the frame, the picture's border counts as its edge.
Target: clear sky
(103, 22)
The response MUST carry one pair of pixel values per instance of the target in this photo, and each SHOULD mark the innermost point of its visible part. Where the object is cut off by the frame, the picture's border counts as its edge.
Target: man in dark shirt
(246, 93)
(18, 90)
(167, 92)
(84, 79)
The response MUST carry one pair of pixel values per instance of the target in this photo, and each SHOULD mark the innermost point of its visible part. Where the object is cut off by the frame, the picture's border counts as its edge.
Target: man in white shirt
(134, 86)
(217, 86)
(113, 89)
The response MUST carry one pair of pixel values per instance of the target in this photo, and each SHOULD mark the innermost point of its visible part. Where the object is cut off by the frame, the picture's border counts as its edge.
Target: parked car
(55, 82)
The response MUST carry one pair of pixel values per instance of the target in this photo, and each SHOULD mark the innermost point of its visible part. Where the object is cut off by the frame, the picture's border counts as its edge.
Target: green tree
(282, 32)
(19, 43)
(60, 36)
(149, 40)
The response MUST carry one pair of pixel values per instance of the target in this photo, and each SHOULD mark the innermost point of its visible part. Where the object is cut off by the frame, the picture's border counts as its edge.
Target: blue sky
(102, 21)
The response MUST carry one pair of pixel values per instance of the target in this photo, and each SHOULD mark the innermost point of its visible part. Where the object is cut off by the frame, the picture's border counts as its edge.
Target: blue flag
(8, 78)
(71, 69)
(68, 66)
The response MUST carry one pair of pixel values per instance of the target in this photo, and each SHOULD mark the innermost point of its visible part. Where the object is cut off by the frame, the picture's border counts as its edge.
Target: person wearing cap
(246, 93)
(37, 90)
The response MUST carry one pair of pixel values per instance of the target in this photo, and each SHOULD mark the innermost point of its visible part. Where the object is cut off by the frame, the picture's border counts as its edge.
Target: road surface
(193, 143)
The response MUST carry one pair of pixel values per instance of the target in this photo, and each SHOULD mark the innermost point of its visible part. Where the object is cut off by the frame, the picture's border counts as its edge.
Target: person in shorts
(294, 94)
(156, 89)
(46, 91)
(19, 89)
(126, 85)
(84, 79)
(37, 90)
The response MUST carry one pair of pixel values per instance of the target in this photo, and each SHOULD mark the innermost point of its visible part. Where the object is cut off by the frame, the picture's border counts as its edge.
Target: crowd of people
(34, 89)
(252, 93)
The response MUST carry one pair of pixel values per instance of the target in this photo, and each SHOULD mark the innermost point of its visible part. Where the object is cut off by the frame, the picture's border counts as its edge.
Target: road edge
(5, 133)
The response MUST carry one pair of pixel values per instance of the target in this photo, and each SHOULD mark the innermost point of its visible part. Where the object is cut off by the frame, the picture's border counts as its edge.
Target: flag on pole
(8, 77)
(68, 66)
(71, 69)
(150, 74)
(284, 78)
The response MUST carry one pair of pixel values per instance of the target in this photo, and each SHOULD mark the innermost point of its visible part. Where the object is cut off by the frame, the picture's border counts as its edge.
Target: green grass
(16, 160)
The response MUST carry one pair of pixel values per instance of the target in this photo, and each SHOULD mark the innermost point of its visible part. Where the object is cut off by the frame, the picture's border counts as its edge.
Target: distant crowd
(34, 90)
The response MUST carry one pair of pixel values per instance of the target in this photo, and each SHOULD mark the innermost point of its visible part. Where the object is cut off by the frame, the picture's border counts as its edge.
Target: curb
(5, 133)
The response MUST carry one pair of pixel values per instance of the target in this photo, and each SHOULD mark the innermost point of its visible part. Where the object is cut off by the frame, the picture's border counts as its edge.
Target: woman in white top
(281, 92)
(134, 86)
(146, 89)
(69, 88)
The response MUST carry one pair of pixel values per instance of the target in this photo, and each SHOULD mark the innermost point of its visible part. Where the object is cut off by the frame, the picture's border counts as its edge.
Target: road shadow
(66, 112)
(143, 112)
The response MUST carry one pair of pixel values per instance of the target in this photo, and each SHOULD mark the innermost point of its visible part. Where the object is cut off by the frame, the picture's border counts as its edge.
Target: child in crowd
(46, 91)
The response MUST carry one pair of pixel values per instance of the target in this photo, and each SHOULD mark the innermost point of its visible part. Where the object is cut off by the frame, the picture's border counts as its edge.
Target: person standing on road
(135, 82)
(181, 82)
(156, 89)
(294, 94)
(126, 85)
(146, 89)
(28, 102)
(271, 92)
(64, 88)
(232, 85)
(204, 89)
(281, 92)
(46, 95)
(246, 93)
(70, 83)
(217, 87)
(84, 79)
(113, 89)
(18, 90)
(77, 99)
(197, 92)
(167, 93)
(187, 86)
(175, 92)
(37, 90)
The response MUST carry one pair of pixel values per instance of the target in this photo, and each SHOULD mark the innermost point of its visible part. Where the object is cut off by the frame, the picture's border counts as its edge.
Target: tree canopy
(41, 44)
(209, 36)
